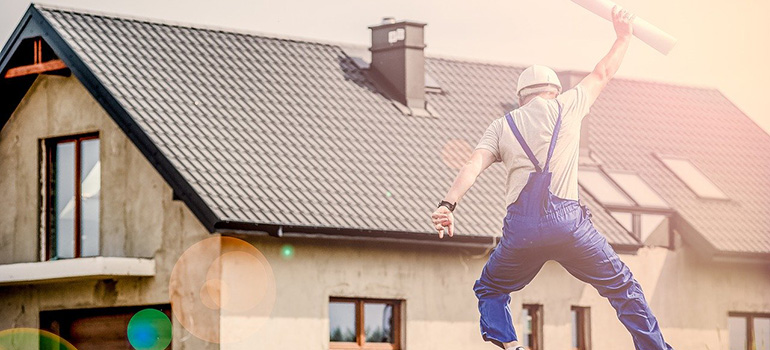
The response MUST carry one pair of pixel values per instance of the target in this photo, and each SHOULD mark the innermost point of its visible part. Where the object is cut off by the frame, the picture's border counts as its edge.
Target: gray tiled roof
(634, 120)
(280, 131)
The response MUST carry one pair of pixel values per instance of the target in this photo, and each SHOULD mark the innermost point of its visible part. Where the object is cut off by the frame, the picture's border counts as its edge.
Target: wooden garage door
(95, 329)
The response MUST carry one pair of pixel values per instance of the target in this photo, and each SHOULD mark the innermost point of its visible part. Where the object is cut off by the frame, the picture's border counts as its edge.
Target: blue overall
(540, 226)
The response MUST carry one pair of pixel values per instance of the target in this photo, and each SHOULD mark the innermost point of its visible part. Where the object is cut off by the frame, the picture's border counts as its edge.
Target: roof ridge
(338, 44)
(181, 24)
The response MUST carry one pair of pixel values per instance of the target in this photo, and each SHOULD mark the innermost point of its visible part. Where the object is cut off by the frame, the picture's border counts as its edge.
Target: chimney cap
(392, 22)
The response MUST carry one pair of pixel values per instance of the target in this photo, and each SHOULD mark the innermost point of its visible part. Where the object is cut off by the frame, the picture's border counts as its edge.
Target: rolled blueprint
(643, 30)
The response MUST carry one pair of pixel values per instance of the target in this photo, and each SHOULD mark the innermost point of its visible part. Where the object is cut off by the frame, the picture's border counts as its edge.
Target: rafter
(38, 66)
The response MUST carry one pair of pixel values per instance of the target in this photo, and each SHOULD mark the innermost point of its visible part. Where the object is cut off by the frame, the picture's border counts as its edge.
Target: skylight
(693, 178)
(602, 188)
(638, 189)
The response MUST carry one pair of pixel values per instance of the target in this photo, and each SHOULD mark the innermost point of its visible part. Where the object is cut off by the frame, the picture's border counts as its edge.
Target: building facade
(271, 193)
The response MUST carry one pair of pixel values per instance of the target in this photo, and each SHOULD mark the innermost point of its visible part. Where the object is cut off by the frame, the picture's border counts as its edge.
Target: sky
(721, 44)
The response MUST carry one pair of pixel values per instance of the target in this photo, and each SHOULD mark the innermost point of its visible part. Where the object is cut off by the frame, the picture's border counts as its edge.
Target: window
(531, 336)
(638, 189)
(602, 188)
(631, 201)
(73, 176)
(749, 331)
(581, 328)
(102, 328)
(642, 225)
(695, 179)
(364, 323)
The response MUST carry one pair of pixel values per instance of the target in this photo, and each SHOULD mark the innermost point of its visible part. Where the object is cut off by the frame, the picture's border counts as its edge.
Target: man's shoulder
(571, 94)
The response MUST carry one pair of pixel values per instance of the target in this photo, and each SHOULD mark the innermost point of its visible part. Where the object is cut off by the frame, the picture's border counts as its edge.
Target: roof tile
(288, 132)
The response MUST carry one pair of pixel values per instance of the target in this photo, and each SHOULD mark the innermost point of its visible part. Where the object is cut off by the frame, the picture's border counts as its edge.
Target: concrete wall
(690, 297)
(138, 217)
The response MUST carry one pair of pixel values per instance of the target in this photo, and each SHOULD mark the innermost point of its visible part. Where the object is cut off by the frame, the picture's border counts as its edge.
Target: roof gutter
(350, 234)
(367, 235)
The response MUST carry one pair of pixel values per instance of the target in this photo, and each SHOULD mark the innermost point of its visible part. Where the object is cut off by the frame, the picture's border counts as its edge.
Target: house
(273, 193)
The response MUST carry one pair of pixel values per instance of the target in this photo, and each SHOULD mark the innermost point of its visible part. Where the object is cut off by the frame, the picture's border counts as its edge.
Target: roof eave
(314, 232)
(302, 231)
(742, 257)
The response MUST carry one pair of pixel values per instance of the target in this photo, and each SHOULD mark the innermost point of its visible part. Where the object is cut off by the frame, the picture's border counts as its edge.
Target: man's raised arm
(595, 82)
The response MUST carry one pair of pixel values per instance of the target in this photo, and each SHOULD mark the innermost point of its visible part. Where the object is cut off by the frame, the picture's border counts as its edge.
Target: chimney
(398, 59)
(570, 79)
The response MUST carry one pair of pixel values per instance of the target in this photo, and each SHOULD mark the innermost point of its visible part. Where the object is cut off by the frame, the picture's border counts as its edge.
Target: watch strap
(448, 205)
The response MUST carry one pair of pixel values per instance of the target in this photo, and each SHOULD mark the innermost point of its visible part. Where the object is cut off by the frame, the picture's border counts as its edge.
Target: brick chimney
(570, 79)
(398, 60)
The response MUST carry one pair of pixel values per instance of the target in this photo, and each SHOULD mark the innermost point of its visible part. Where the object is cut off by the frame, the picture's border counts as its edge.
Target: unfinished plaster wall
(691, 297)
(138, 217)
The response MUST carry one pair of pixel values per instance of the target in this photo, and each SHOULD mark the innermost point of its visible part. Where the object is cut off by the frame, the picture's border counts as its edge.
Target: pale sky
(722, 44)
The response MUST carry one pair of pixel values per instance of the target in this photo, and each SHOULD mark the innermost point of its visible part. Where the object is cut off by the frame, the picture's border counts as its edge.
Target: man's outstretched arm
(480, 160)
(595, 82)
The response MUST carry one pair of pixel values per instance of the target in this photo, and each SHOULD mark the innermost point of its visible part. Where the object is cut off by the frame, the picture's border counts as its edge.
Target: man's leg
(506, 271)
(594, 261)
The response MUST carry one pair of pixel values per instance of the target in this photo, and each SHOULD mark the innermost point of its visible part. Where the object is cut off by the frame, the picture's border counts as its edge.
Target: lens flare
(217, 282)
(287, 251)
(32, 338)
(149, 329)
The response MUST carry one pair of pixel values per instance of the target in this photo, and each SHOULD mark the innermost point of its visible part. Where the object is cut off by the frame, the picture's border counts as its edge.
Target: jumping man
(542, 225)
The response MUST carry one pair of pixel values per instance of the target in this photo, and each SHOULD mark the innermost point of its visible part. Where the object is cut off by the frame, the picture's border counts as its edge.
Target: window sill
(75, 269)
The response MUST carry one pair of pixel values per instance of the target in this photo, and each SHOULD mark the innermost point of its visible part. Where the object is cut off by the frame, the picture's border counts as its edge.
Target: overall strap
(553, 138)
(522, 142)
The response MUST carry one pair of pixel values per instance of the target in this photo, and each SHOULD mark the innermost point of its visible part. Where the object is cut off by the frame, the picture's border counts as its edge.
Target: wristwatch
(450, 206)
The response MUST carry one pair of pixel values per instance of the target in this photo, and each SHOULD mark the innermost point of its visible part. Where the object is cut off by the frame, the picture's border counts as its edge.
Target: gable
(136, 206)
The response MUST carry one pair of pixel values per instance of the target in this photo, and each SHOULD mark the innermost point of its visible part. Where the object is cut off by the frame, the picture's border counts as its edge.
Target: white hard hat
(537, 75)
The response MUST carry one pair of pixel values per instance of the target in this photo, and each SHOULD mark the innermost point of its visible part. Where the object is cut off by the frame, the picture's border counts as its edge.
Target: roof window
(638, 189)
(693, 177)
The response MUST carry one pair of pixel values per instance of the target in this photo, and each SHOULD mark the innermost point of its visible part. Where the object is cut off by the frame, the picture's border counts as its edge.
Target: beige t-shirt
(536, 120)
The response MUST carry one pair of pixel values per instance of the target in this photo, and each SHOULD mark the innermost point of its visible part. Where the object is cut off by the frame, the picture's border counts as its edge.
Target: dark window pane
(378, 323)
(89, 197)
(342, 321)
(64, 194)
(762, 333)
(737, 328)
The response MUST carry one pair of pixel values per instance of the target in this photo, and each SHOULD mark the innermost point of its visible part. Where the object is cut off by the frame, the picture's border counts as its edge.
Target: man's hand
(442, 217)
(622, 20)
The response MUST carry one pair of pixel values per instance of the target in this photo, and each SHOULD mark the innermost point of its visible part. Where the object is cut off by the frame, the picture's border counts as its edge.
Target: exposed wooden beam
(49, 66)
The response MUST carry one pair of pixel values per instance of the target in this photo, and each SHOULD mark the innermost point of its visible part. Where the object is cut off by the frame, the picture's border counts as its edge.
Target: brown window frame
(59, 322)
(749, 316)
(536, 312)
(583, 327)
(361, 343)
(50, 215)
